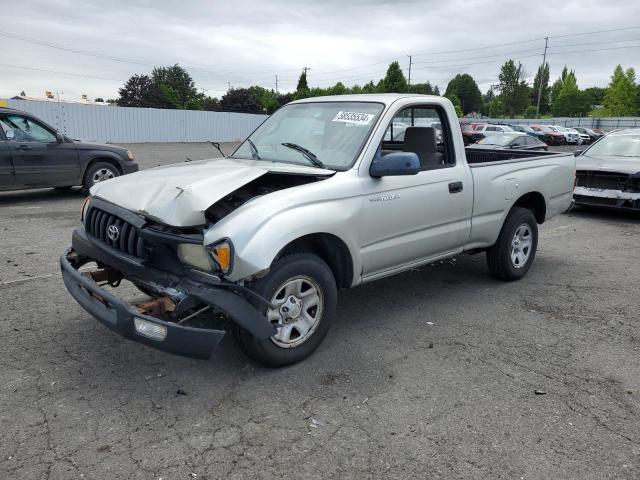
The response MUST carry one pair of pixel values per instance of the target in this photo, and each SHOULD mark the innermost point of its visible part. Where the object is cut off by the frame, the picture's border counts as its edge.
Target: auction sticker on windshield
(354, 117)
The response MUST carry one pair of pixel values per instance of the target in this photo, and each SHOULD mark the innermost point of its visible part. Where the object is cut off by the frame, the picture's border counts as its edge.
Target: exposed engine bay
(268, 183)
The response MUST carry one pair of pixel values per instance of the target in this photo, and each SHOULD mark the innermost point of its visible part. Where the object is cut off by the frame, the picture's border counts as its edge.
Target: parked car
(529, 131)
(484, 130)
(592, 134)
(571, 136)
(34, 155)
(608, 172)
(551, 135)
(269, 234)
(467, 132)
(513, 140)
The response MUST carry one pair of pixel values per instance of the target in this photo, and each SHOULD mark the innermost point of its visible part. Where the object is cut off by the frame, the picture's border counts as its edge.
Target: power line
(61, 73)
(593, 32)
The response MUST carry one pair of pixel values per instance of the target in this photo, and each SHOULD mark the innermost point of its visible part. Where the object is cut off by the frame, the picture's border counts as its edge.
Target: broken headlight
(222, 254)
(195, 256)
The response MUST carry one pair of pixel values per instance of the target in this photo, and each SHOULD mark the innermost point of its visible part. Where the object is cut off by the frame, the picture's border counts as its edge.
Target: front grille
(606, 180)
(127, 240)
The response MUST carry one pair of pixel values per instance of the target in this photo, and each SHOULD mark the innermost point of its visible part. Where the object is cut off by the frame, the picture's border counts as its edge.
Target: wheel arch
(328, 247)
(535, 202)
(101, 157)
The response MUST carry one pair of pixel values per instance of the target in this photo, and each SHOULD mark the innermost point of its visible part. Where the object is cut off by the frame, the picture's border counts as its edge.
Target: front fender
(258, 238)
(88, 156)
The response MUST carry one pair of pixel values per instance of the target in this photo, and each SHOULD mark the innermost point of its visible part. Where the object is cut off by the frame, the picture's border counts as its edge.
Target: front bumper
(119, 316)
(603, 197)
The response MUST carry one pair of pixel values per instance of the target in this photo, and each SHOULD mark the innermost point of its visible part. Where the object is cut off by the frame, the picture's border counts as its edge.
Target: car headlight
(217, 257)
(222, 254)
(130, 155)
(195, 256)
(85, 207)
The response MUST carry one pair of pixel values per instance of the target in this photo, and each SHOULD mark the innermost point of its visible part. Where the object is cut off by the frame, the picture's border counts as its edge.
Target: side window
(424, 131)
(27, 130)
(492, 129)
(5, 130)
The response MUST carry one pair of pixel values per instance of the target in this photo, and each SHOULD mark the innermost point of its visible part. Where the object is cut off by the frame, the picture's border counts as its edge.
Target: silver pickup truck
(328, 193)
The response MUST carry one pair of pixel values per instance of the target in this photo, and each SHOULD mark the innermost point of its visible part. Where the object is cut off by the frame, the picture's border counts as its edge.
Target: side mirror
(577, 153)
(10, 134)
(59, 138)
(395, 164)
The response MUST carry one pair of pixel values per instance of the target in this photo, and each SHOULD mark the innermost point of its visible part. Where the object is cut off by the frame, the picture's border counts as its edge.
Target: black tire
(499, 256)
(267, 351)
(89, 176)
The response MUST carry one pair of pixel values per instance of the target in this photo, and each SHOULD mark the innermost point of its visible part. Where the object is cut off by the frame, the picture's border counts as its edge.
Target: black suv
(34, 155)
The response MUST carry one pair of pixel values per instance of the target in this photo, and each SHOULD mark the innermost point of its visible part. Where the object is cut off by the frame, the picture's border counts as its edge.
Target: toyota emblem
(113, 232)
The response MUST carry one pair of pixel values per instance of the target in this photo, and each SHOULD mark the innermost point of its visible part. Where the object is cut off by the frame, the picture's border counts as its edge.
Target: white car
(491, 129)
(570, 135)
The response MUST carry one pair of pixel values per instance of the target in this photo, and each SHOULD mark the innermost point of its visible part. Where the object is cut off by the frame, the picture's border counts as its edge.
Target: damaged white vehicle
(608, 172)
(322, 196)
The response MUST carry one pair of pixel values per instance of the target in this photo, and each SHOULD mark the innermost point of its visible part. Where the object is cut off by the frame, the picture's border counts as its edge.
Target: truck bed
(486, 155)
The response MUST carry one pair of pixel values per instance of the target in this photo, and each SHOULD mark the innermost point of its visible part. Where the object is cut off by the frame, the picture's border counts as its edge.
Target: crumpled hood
(179, 194)
(629, 165)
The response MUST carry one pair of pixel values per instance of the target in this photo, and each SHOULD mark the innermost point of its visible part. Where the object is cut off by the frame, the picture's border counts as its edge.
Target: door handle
(455, 187)
(23, 147)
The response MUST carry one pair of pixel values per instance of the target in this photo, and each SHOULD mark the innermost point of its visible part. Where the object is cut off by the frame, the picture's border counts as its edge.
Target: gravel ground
(429, 374)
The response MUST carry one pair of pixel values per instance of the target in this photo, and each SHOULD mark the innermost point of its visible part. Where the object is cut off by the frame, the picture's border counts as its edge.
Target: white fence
(100, 123)
(609, 123)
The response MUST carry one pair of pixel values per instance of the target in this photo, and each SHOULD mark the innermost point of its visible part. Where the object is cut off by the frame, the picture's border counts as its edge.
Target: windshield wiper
(254, 150)
(308, 154)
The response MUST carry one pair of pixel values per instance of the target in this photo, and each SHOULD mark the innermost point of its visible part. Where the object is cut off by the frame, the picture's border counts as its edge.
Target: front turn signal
(222, 254)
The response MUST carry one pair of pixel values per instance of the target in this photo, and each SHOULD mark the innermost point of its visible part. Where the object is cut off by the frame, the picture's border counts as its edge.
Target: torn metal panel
(179, 194)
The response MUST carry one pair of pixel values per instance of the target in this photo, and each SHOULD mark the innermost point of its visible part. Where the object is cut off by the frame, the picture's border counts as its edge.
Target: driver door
(38, 157)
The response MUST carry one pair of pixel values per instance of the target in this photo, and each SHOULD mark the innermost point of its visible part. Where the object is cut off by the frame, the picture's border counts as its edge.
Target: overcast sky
(247, 42)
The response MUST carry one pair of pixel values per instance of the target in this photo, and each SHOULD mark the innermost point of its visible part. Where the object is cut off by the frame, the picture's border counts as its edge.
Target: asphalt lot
(430, 374)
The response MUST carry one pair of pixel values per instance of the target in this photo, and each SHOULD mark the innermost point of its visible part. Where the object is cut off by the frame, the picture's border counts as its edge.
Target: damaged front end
(147, 256)
(607, 189)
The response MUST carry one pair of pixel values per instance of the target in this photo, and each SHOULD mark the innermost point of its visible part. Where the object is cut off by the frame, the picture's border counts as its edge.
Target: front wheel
(99, 172)
(303, 295)
(512, 255)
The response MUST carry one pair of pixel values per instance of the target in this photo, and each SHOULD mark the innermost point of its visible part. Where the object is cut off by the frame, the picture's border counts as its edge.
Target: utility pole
(544, 62)
(229, 83)
(276, 84)
(409, 81)
(305, 70)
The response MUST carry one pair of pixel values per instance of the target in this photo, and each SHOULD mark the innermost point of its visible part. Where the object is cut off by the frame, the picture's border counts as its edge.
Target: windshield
(501, 140)
(332, 132)
(627, 145)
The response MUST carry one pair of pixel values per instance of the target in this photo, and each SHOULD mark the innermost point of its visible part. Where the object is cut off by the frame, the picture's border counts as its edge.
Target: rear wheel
(303, 296)
(99, 172)
(512, 255)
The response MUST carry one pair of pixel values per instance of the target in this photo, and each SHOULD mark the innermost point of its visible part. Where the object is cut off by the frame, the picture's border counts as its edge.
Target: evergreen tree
(394, 81)
(621, 98)
(302, 81)
(570, 102)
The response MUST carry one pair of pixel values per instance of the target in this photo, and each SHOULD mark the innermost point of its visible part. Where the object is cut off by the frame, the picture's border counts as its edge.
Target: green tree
(240, 100)
(394, 81)
(421, 88)
(514, 91)
(267, 98)
(302, 82)
(177, 88)
(621, 97)
(541, 79)
(466, 89)
(436, 90)
(595, 95)
(211, 104)
(99, 99)
(570, 102)
(139, 91)
(557, 86)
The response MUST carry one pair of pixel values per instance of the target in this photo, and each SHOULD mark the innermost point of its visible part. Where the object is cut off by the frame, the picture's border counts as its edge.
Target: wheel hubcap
(521, 246)
(102, 175)
(297, 309)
